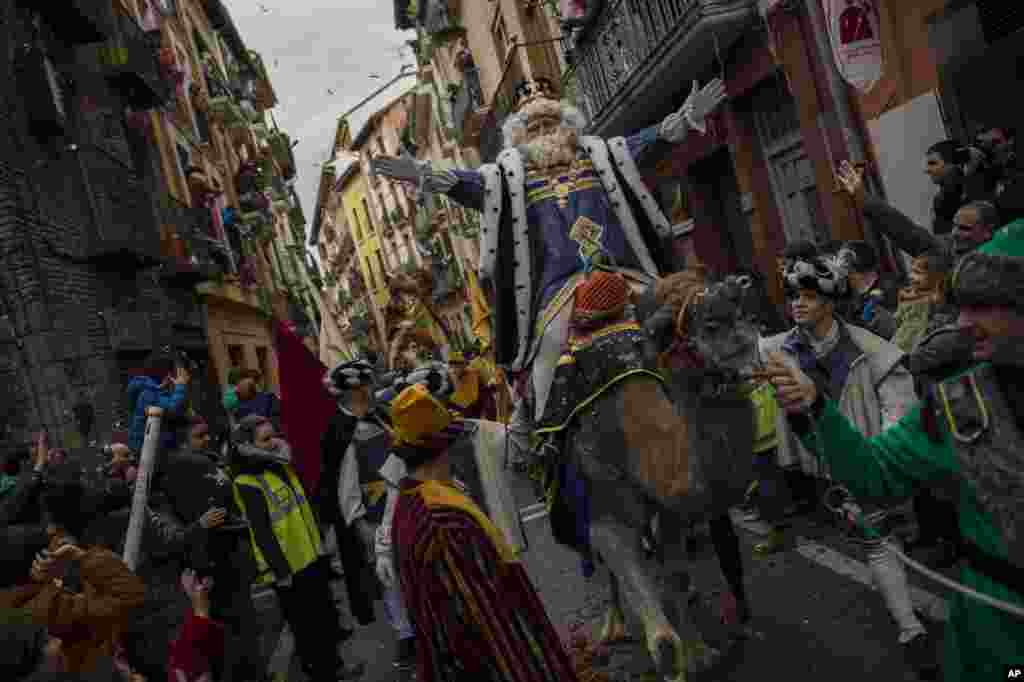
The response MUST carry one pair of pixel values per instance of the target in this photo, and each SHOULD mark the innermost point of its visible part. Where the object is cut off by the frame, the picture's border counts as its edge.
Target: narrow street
(814, 611)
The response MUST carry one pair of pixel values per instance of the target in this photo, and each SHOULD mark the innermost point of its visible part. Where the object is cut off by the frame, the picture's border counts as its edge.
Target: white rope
(853, 514)
(1000, 604)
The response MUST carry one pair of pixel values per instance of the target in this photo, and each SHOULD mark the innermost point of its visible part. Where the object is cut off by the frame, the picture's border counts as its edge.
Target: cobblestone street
(814, 616)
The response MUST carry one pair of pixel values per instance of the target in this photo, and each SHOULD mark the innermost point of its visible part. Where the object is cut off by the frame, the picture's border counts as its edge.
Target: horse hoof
(614, 629)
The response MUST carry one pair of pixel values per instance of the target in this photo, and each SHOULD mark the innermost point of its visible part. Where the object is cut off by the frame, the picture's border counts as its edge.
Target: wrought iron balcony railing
(632, 39)
(195, 252)
(131, 63)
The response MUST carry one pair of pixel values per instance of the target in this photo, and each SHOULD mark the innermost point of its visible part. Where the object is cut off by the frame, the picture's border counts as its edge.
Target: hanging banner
(855, 35)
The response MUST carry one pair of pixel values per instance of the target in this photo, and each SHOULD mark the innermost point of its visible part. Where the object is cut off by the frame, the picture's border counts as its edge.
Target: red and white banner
(854, 30)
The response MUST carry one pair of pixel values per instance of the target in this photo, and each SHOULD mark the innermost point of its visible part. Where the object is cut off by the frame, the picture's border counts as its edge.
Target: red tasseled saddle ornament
(601, 296)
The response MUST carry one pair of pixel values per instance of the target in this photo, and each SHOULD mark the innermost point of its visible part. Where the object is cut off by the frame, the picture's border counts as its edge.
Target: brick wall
(60, 354)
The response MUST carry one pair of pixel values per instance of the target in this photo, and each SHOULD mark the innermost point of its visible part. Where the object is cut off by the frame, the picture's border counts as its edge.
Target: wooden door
(790, 169)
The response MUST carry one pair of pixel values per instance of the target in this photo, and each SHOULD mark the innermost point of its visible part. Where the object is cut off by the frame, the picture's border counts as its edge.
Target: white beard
(551, 151)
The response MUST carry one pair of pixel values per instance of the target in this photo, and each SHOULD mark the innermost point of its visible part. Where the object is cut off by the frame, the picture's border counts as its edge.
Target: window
(381, 270)
(366, 215)
(358, 233)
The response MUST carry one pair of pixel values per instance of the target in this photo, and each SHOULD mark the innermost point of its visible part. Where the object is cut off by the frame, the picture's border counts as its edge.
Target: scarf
(822, 347)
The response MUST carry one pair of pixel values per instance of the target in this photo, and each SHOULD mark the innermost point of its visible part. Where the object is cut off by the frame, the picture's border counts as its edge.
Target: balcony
(76, 22)
(625, 58)
(194, 254)
(123, 230)
(131, 63)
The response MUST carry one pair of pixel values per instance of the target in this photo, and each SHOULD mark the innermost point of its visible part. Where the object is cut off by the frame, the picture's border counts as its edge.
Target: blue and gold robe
(534, 228)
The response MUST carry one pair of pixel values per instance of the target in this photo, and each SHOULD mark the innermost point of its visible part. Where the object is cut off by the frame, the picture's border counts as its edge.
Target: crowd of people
(219, 522)
(873, 394)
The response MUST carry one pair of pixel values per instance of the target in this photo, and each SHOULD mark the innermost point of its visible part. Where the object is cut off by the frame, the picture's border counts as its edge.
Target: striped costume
(476, 614)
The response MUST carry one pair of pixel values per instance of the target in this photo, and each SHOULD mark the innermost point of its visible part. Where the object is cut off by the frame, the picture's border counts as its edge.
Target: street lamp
(407, 70)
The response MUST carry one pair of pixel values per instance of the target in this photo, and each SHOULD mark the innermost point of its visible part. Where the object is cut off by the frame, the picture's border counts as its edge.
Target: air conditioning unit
(979, 54)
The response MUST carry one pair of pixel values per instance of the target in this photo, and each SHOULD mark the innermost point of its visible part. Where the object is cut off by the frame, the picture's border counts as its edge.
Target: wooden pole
(140, 498)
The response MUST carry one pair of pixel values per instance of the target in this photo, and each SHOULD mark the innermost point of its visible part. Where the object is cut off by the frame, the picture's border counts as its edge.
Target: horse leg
(619, 545)
(679, 597)
(614, 628)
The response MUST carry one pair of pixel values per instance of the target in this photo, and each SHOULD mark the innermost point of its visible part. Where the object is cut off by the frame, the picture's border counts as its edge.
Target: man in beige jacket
(865, 376)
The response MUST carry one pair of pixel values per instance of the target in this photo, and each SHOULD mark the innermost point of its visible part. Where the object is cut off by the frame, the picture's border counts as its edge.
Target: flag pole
(140, 498)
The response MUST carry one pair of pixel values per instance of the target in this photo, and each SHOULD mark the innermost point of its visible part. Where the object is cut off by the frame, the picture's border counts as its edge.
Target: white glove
(700, 103)
(385, 570)
(406, 169)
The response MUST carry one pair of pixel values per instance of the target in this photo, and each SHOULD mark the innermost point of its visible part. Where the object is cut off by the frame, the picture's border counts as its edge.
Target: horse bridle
(722, 380)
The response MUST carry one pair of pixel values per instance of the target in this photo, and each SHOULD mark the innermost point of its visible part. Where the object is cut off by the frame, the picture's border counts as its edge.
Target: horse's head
(722, 327)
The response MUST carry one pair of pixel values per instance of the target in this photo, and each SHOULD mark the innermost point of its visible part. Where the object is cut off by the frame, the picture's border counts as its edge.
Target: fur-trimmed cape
(512, 258)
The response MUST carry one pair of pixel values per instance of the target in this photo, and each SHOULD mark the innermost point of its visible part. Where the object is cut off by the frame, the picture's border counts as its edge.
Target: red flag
(306, 406)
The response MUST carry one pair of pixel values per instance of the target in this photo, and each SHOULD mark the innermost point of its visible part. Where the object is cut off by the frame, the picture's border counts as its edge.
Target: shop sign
(855, 35)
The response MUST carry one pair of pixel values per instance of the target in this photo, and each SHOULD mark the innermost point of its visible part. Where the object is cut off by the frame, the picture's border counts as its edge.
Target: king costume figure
(554, 205)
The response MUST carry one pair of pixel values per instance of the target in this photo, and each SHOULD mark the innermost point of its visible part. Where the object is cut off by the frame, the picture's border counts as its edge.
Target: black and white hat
(822, 274)
(349, 375)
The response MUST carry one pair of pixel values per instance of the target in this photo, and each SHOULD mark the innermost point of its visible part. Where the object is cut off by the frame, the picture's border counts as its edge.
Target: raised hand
(851, 180)
(198, 591)
(183, 376)
(395, 168)
(705, 100)
(51, 565)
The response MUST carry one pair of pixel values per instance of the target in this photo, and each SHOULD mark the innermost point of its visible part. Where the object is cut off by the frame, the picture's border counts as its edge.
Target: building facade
(118, 181)
(764, 174)
(354, 284)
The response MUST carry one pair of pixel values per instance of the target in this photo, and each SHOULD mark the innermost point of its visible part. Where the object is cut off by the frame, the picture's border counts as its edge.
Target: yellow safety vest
(291, 517)
(766, 412)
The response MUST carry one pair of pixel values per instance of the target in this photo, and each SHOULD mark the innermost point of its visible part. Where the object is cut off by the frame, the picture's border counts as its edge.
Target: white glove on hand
(406, 169)
(385, 570)
(700, 103)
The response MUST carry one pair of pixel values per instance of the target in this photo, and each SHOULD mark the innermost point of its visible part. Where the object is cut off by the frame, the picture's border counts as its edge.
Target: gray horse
(679, 450)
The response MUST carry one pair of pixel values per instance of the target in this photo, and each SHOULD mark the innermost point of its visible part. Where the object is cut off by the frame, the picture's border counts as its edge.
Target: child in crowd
(916, 302)
(164, 384)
